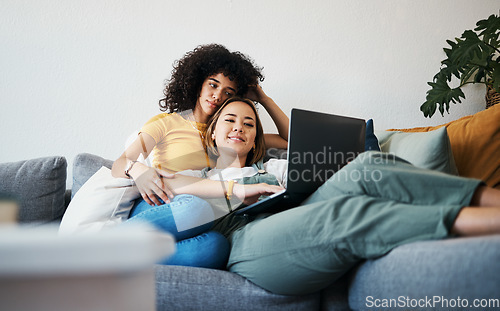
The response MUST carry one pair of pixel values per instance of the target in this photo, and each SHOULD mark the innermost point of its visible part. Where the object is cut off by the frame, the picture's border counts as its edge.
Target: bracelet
(230, 185)
(129, 167)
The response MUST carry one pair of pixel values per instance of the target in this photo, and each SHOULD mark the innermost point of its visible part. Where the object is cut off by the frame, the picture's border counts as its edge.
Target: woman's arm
(147, 179)
(143, 144)
(256, 93)
(209, 189)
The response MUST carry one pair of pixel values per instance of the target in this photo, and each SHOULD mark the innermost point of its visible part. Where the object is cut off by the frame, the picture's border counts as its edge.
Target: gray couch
(445, 274)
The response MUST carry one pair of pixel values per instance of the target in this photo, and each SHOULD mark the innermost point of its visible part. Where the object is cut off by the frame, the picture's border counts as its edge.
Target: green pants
(374, 204)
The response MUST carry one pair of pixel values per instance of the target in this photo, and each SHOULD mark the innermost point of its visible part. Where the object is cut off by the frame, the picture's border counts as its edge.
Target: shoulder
(278, 168)
(166, 119)
(276, 164)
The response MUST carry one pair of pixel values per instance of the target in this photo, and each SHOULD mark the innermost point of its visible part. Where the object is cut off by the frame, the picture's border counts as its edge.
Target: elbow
(115, 171)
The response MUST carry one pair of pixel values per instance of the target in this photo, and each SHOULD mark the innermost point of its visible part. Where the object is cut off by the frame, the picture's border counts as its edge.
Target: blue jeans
(189, 219)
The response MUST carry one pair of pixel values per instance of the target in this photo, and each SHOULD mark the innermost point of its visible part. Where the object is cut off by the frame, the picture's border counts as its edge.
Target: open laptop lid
(319, 145)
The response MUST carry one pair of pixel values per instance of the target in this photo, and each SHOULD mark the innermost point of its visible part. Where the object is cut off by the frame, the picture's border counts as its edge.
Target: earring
(253, 147)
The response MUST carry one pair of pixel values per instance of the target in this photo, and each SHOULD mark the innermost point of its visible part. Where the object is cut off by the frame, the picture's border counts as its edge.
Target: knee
(189, 199)
(208, 250)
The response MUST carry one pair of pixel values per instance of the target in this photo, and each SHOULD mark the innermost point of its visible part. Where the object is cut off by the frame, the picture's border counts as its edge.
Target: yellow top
(179, 142)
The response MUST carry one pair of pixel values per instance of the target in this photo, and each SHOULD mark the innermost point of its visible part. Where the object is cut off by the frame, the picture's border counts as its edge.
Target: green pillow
(430, 150)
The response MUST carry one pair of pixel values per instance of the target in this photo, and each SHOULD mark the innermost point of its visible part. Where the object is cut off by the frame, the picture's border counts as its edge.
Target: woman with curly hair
(201, 81)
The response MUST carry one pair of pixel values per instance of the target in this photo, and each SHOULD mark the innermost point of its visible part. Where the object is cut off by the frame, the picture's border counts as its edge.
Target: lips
(212, 104)
(236, 138)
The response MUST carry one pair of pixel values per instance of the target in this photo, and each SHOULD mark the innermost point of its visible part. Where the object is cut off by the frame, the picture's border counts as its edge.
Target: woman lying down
(306, 248)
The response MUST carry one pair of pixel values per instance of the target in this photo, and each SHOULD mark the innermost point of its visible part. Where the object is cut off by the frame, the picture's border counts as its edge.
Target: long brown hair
(257, 153)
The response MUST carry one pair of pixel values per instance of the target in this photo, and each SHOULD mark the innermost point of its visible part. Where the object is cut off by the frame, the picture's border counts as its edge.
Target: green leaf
(449, 68)
(480, 76)
(467, 49)
(489, 29)
(467, 73)
(440, 95)
(472, 58)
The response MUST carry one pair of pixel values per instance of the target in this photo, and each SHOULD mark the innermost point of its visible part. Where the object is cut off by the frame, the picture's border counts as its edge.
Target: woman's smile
(236, 138)
(235, 128)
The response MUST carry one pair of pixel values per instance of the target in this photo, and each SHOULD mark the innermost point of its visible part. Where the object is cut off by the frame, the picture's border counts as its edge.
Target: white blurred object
(109, 270)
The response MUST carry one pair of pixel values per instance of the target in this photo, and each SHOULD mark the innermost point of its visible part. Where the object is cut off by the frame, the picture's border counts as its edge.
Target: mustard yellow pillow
(475, 143)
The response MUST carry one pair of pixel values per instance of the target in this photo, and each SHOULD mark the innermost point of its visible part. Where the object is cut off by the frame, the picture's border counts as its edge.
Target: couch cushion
(465, 268)
(189, 288)
(39, 186)
(84, 166)
(429, 150)
(475, 141)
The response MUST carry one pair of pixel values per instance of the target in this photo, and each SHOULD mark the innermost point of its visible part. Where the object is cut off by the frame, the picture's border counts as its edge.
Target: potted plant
(472, 58)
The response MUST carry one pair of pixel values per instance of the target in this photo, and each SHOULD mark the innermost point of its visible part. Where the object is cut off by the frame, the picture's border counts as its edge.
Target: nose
(237, 127)
(216, 95)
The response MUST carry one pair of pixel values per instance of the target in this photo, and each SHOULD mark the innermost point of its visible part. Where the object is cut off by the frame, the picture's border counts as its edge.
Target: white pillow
(103, 201)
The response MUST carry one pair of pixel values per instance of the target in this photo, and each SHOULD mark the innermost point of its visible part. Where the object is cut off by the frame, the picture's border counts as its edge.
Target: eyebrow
(233, 115)
(219, 83)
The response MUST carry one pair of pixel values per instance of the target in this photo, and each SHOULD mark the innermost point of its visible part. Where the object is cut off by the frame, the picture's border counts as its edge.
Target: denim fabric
(207, 250)
(189, 219)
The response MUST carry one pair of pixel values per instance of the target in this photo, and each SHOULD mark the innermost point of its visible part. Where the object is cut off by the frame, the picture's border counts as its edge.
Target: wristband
(129, 167)
(230, 185)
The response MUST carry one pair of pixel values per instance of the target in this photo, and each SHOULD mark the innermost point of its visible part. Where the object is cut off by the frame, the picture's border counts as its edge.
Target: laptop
(319, 145)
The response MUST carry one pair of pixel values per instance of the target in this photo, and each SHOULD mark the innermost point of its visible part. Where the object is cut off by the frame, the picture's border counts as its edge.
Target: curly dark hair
(183, 88)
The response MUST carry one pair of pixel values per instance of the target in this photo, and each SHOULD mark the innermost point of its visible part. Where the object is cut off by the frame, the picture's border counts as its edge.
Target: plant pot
(492, 97)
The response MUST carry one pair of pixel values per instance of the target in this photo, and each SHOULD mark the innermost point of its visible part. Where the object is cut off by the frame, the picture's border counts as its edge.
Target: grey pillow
(38, 185)
(84, 166)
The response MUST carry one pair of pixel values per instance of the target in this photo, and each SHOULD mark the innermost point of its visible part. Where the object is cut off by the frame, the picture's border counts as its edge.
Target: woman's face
(236, 129)
(214, 91)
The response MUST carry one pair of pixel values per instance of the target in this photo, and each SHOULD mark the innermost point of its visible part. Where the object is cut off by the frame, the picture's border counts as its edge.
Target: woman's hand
(150, 183)
(249, 194)
(256, 93)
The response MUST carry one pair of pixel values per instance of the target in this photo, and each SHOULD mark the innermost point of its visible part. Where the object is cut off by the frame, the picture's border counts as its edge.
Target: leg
(383, 175)
(473, 221)
(483, 220)
(486, 196)
(305, 249)
(207, 250)
(184, 217)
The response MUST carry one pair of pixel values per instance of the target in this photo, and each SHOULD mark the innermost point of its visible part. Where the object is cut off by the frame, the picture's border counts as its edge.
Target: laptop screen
(319, 145)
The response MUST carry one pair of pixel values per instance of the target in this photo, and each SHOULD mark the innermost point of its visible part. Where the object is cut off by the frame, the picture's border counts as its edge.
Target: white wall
(80, 76)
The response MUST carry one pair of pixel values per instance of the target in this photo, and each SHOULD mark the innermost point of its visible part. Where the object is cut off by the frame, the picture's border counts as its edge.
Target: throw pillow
(103, 201)
(38, 185)
(475, 141)
(430, 150)
(84, 166)
(371, 141)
